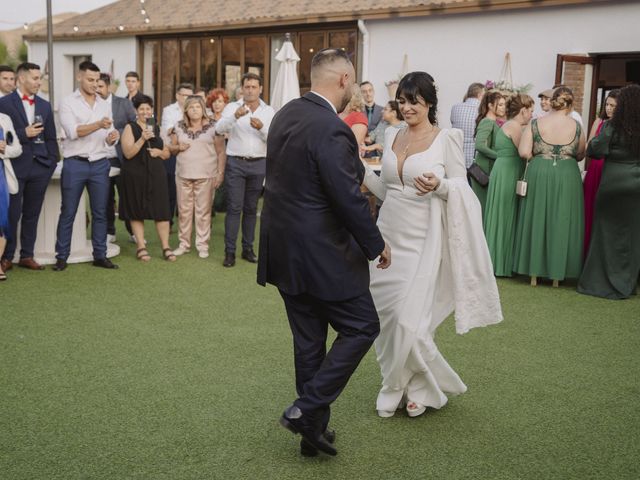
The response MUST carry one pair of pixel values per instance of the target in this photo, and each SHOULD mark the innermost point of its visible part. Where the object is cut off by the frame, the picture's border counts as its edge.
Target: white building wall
(122, 51)
(460, 49)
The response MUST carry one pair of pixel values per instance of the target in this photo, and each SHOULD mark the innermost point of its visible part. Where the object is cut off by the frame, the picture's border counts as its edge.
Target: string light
(147, 20)
(143, 11)
(121, 27)
(76, 28)
(25, 26)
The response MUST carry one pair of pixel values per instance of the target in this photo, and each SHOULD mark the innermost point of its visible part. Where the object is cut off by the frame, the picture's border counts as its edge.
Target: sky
(31, 10)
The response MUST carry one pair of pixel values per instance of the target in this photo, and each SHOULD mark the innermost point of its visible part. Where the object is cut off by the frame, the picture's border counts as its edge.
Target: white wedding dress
(439, 263)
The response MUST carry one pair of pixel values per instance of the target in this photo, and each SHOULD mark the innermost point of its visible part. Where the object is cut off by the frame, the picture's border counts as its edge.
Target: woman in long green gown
(550, 227)
(612, 266)
(491, 107)
(502, 203)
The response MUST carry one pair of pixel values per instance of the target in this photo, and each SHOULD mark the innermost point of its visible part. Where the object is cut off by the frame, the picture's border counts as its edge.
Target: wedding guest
(353, 115)
(7, 80)
(612, 267)
(575, 115)
(172, 114)
(247, 124)
(9, 148)
(33, 120)
(491, 107)
(593, 166)
(200, 167)
(372, 110)
(216, 101)
(391, 118)
(86, 120)
(144, 181)
(502, 203)
(545, 102)
(122, 112)
(132, 82)
(550, 226)
(463, 117)
(431, 220)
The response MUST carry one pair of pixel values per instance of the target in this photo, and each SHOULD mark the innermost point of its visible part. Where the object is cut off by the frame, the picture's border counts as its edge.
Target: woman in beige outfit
(200, 166)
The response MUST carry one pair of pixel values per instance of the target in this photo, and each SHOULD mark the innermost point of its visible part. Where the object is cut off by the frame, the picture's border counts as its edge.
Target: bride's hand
(426, 183)
(385, 257)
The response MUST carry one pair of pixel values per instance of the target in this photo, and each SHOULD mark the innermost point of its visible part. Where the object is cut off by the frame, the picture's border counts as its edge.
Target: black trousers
(170, 167)
(320, 375)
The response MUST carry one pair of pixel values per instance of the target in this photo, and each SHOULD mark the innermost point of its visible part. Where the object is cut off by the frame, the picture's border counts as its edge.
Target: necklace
(405, 151)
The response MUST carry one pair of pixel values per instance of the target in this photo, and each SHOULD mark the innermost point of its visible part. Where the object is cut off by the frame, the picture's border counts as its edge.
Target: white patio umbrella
(287, 86)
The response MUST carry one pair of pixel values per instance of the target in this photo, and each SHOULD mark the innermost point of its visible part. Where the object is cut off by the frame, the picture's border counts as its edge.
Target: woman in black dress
(145, 193)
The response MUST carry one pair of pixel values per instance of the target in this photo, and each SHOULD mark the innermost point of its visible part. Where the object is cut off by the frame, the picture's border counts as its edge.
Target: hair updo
(416, 85)
(517, 102)
(562, 98)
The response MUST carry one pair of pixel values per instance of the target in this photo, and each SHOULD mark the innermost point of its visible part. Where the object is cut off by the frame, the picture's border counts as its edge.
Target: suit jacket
(47, 153)
(375, 117)
(316, 231)
(122, 112)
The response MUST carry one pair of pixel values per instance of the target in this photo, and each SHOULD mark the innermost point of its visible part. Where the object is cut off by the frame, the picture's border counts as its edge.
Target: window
(209, 63)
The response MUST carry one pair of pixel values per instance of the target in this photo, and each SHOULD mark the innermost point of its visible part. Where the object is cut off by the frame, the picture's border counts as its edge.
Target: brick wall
(573, 76)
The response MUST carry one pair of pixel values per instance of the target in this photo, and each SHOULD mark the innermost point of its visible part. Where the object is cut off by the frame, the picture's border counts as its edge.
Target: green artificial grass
(180, 371)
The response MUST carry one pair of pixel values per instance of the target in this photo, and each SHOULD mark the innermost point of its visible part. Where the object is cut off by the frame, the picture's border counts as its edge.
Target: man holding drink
(32, 118)
(86, 120)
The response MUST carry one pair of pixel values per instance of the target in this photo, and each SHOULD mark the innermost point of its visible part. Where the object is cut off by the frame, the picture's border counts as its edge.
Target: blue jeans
(243, 184)
(76, 174)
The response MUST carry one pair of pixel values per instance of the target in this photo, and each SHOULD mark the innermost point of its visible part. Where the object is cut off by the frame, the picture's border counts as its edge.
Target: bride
(432, 221)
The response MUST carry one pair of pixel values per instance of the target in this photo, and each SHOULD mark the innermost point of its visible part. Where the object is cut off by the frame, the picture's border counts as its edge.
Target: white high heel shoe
(415, 409)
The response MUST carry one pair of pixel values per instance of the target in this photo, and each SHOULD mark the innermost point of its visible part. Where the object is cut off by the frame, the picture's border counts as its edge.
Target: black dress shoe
(293, 420)
(308, 450)
(60, 265)
(229, 259)
(249, 256)
(104, 263)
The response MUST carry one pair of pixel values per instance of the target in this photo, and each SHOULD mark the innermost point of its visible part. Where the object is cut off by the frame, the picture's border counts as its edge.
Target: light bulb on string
(76, 28)
(143, 11)
(25, 26)
(121, 27)
(147, 20)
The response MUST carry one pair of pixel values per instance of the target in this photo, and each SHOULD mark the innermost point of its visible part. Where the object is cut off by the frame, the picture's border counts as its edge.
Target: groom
(316, 238)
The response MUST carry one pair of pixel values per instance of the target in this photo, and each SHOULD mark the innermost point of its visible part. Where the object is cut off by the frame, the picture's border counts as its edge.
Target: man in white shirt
(7, 80)
(247, 123)
(172, 114)
(86, 120)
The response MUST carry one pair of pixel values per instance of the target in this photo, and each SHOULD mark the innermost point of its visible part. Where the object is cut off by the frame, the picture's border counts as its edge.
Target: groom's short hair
(327, 57)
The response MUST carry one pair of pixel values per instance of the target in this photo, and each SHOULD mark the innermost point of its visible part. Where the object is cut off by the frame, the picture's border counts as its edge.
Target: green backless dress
(550, 227)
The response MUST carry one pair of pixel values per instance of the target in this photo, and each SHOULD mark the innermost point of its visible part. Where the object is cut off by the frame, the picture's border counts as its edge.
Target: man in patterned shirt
(463, 116)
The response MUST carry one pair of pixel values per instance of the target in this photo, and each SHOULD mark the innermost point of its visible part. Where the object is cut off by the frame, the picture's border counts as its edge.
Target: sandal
(415, 409)
(3, 276)
(168, 255)
(142, 254)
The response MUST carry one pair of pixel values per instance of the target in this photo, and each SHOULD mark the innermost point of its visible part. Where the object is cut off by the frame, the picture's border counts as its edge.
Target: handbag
(479, 175)
(12, 181)
(521, 185)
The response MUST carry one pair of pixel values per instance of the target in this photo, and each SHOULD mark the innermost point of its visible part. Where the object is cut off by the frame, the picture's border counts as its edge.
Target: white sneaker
(203, 254)
(111, 238)
(180, 251)
(132, 239)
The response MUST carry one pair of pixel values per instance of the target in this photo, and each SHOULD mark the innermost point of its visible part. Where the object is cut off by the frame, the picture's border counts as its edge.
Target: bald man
(316, 240)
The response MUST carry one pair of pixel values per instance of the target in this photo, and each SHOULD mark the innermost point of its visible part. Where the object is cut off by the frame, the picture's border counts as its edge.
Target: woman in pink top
(593, 166)
(200, 166)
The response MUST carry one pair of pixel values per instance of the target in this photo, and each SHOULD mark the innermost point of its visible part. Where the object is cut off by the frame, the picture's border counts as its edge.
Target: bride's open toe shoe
(386, 413)
(415, 409)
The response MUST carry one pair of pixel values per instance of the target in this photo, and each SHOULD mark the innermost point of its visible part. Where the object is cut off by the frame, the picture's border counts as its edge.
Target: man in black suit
(34, 167)
(316, 238)
(122, 113)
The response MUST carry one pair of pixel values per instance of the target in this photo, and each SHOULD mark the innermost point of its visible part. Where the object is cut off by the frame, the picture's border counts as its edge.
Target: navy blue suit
(316, 238)
(33, 168)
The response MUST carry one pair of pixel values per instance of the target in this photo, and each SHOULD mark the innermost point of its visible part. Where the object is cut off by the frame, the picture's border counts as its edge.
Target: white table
(45, 247)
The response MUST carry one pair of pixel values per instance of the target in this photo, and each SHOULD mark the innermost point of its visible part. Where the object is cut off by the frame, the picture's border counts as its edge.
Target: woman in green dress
(502, 203)
(491, 107)
(612, 266)
(550, 227)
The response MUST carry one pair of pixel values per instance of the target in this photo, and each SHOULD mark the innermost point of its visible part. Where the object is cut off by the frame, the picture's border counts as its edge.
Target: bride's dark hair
(420, 84)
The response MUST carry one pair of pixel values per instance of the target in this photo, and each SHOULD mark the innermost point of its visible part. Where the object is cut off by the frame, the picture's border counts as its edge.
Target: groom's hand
(385, 257)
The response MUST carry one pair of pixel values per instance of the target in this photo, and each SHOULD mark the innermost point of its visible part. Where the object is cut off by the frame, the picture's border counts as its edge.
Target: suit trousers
(195, 198)
(320, 375)
(243, 185)
(76, 175)
(25, 207)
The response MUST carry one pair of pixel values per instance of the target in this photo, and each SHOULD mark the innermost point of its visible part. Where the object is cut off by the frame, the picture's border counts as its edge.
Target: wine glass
(37, 120)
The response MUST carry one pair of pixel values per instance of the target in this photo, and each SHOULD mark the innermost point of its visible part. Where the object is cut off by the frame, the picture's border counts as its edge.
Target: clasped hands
(426, 183)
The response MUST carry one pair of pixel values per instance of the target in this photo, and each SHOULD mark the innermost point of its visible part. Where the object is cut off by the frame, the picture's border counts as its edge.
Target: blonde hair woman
(200, 166)
(353, 115)
(550, 230)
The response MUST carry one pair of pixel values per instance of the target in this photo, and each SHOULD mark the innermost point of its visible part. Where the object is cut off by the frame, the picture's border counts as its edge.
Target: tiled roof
(124, 17)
